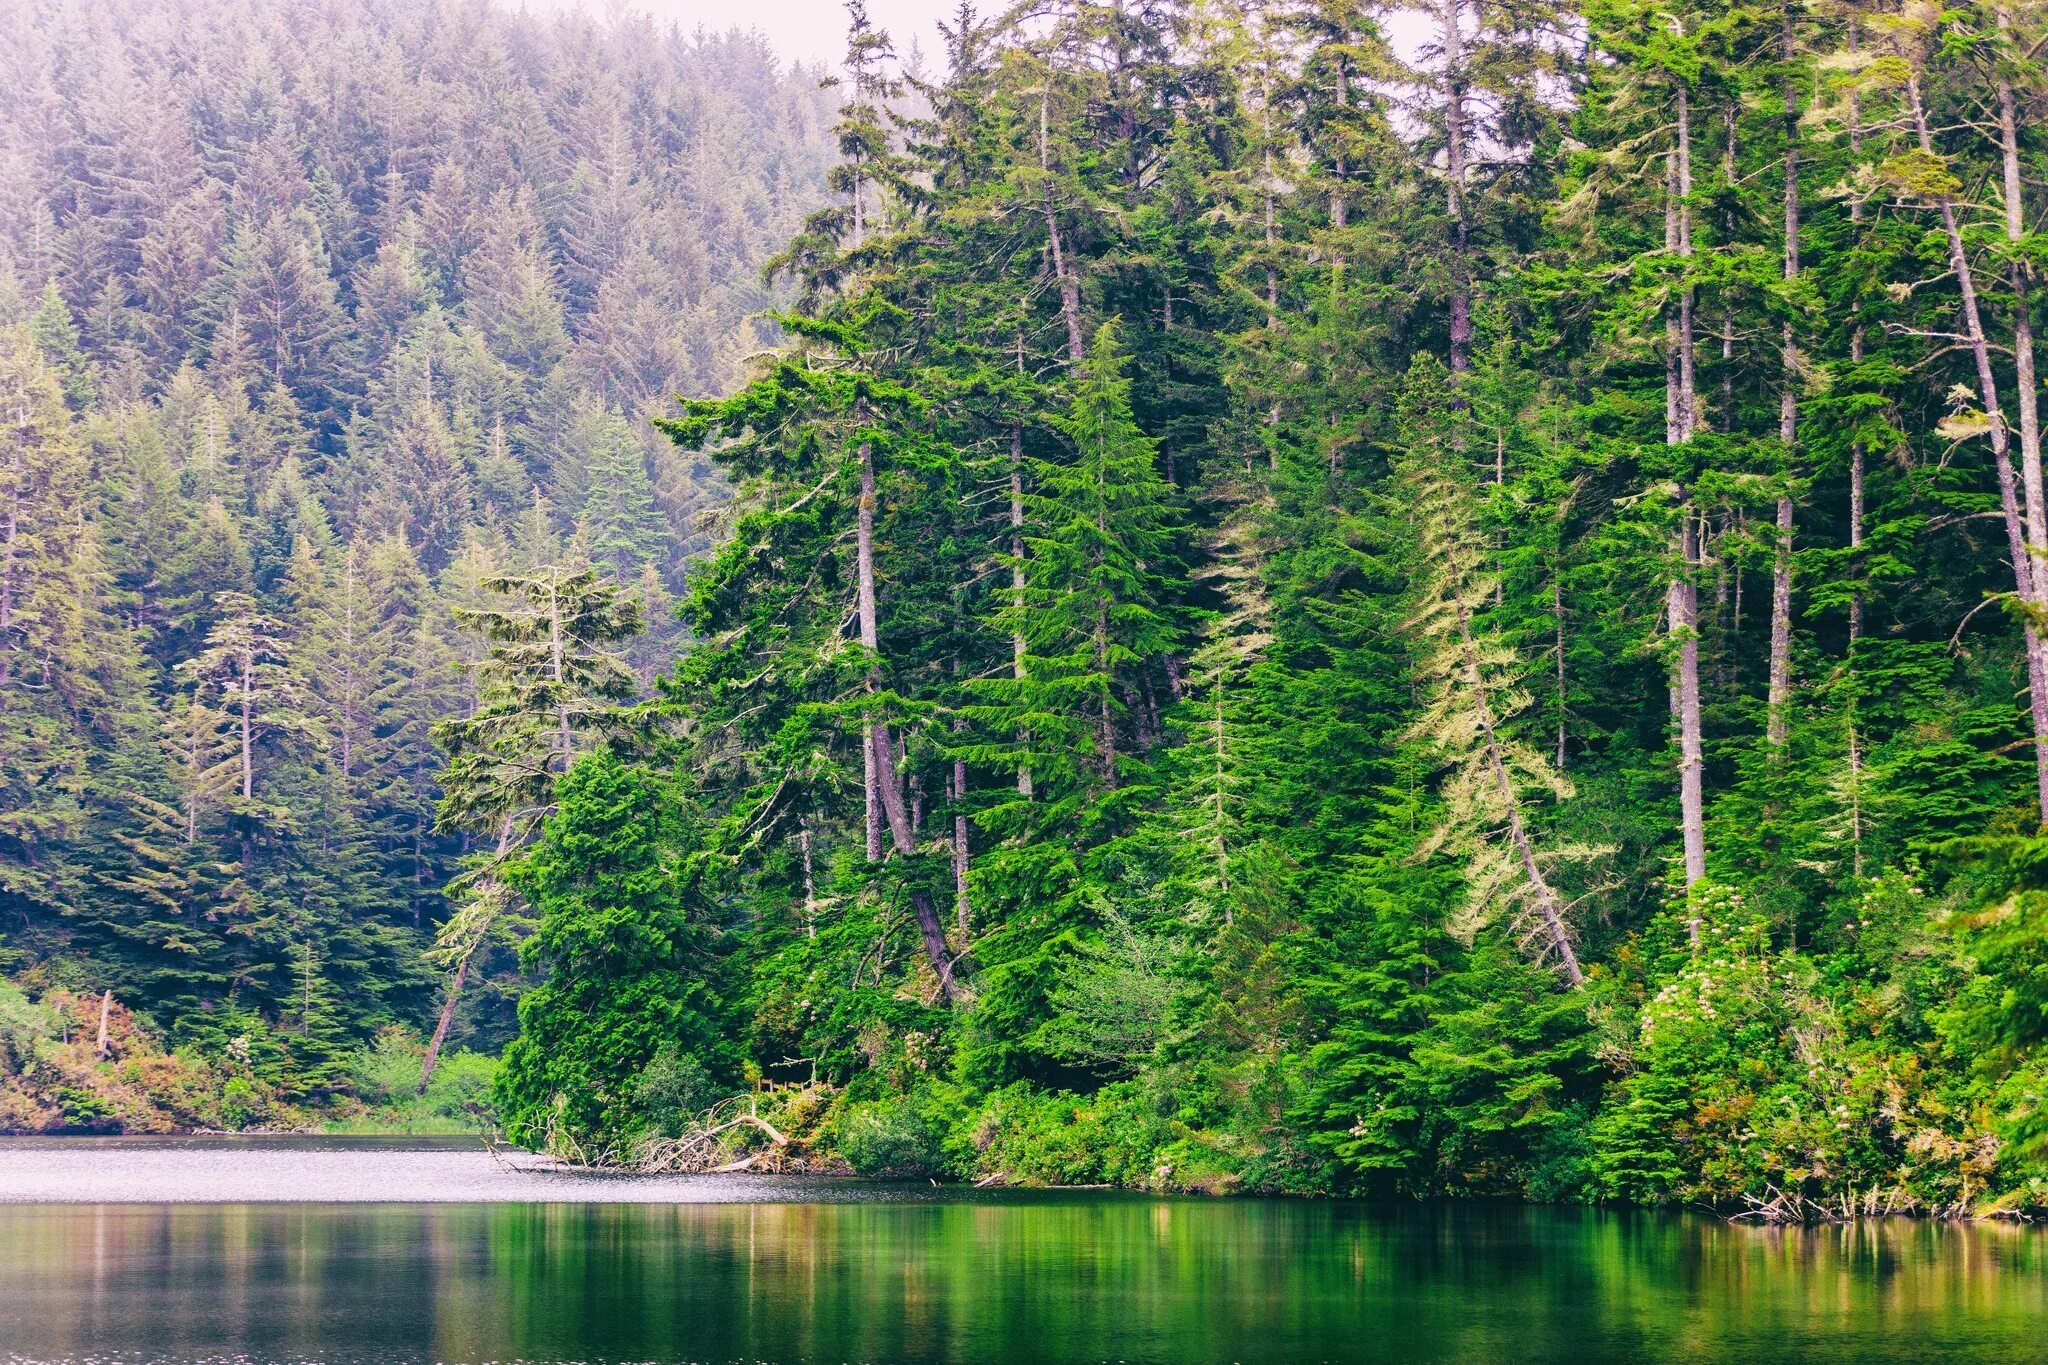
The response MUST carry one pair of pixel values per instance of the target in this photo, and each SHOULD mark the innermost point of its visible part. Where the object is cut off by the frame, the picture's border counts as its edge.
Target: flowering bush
(1756, 1081)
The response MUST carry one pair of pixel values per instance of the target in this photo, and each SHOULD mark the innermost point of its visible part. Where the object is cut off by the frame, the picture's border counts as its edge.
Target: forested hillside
(315, 319)
(1292, 615)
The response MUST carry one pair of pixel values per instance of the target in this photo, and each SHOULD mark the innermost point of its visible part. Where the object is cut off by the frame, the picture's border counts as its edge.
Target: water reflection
(1026, 1277)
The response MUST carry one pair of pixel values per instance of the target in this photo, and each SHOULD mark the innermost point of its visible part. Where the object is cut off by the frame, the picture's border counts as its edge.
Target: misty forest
(1445, 597)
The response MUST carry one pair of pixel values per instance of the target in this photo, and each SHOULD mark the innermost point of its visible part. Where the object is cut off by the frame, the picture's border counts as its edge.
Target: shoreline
(359, 1168)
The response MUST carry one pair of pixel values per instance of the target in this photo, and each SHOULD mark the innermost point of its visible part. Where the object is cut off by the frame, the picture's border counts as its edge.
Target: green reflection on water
(1031, 1278)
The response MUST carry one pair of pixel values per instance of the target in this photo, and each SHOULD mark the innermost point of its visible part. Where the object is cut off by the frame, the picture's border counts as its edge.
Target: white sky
(815, 30)
(801, 30)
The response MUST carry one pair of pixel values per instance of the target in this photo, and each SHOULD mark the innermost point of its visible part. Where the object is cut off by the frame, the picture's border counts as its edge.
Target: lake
(354, 1250)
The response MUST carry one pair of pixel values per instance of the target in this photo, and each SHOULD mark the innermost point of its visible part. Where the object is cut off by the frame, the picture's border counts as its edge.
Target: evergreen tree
(549, 689)
(632, 964)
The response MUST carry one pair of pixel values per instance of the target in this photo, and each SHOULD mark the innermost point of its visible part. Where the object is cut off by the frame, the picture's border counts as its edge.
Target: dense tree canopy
(324, 334)
(1287, 609)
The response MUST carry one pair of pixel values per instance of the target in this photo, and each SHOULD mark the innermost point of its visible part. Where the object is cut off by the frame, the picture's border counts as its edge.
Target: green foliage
(1281, 618)
(240, 1105)
(276, 398)
(889, 1139)
(630, 967)
(673, 1089)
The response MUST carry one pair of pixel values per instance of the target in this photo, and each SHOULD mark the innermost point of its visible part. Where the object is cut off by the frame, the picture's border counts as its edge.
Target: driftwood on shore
(698, 1151)
(1784, 1208)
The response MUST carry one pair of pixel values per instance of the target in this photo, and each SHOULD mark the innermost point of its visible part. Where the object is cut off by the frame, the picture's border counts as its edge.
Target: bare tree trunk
(442, 1024)
(1777, 725)
(1684, 608)
(870, 639)
(567, 739)
(447, 1018)
(1681, 407)
(1272, 235)
(105, 1049)
(349, 701)
(1452, 25)
(929, 929)
(1727, 409)
(1105, 721)
(248, 737)
(1340, 205)
(1017, 647)
(1688, 360)
(803, 839)
(2029, 412)
(960, 906)
(1219, 736)
(1855, 447)
(879, 749)
(2001, 451)
(1070, 290)
(1557, 615)
(1855, 566)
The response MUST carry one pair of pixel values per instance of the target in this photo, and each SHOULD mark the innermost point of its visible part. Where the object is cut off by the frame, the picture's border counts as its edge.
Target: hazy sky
(803, 30)
(815, 30)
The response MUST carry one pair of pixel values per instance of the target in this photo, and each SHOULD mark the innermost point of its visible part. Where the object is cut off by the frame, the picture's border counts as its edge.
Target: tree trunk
(961, 914)
(433, 1056)
(1727, 295)
(1070, 289)
(1557, 616)
(1777, 725)
(929, 928)
(1105, 716)
(2025, 380)
(248, 735)
(105, 1049)
(1681, 408)
(1683, 605)
(2001, 451)
(1219, 737)
(870, 639)
(10, 539)
(1272, 236)
(1856, 456)
(803, 838)
(565, 738)
(1451, 21)
(878, 749)
(1340, 203)
(441, 1025)
(349, 701)
(1017, 589)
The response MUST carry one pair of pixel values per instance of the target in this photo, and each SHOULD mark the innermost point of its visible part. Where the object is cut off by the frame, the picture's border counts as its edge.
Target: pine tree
(1472, 696)
(249, 687)
(626, 531)
(52, 680)
(630, 960)
(549, 689)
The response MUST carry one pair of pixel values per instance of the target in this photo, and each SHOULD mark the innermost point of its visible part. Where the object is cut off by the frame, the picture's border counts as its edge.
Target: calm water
(574, 1270)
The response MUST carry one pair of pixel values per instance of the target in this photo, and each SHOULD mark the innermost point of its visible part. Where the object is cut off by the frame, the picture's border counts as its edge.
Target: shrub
(890, 1138)
(239, 1105)
(387, 1070)
(24, 1028)
(461, 1089)
(673, 1089)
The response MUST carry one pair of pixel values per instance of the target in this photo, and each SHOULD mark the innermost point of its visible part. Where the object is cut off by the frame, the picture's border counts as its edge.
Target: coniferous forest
(1310, 597)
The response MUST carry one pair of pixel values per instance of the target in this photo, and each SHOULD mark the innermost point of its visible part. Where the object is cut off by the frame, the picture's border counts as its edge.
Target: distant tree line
(316, 322)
